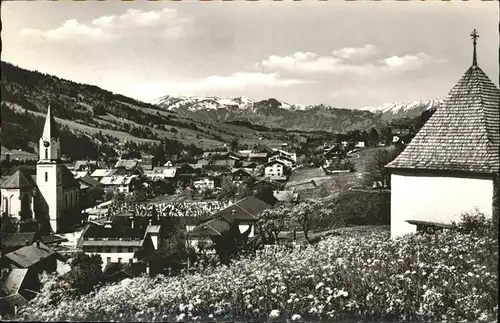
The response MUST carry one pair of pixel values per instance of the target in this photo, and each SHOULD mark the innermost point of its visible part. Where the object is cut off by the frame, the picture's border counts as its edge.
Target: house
(115, 242)
(258, 157)
(88, 165)
(283, 159)
(202, 162)
(161, 173)
(127, 164)
(275, 170)
(240, 175)
(243, 214)
(17, 288)
(267, 183)
(360, 144)
(98, 174)
(335, 151)
(204, 183)
(452, 164)
(121, 183)
(401, 136)
(36, 256)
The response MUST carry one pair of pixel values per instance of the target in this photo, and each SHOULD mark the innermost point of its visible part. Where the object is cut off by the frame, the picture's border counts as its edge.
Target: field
(354, 276)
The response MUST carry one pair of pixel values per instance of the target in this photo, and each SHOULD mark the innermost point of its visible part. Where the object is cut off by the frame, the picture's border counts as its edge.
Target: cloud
(167, 21)
(355, 52)
(353, 60)
(234, 82)
(408, 62)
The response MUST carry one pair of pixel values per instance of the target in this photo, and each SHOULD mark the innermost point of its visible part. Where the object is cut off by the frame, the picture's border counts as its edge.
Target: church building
(452, 164)
(53, 195)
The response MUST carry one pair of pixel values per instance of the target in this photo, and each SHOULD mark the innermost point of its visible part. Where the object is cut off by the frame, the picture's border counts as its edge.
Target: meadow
(357, 275)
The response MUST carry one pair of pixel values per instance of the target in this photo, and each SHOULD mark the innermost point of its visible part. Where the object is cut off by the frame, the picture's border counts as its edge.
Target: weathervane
(474, 35)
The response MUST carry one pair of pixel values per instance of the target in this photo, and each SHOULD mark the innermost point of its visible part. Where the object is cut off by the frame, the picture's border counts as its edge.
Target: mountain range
(273, 113)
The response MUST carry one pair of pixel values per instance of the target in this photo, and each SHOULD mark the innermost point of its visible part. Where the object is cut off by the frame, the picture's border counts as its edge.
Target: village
(129, 213)
(311, 212)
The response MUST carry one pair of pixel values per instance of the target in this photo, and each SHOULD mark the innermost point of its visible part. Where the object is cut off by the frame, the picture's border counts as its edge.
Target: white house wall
(440, 199)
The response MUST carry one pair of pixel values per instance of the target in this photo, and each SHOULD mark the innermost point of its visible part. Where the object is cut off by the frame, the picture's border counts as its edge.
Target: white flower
(274, 313)
(321, 284)
(296, 317)
(180, 317)
(274, 290)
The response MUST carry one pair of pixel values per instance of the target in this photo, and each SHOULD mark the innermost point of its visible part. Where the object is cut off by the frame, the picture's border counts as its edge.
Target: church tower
(49, 173)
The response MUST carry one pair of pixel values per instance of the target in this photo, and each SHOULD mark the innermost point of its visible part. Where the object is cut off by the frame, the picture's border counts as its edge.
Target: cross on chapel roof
(474, 35)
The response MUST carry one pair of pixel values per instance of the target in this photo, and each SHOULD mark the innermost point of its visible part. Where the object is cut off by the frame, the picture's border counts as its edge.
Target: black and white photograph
(249, 161)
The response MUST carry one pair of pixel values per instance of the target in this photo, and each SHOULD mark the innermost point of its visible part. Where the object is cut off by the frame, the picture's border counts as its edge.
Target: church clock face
(46, 144)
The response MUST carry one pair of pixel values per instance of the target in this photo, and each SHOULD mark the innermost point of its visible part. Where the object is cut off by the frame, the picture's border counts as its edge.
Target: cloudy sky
(345, 54)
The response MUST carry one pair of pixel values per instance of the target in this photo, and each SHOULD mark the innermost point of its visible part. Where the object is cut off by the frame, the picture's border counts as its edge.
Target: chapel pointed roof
(463, 134)
(18, 180)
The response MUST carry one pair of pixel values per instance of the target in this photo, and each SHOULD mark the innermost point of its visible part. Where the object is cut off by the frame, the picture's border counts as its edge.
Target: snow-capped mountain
(397, 110)
(275, 114)
(197, 103)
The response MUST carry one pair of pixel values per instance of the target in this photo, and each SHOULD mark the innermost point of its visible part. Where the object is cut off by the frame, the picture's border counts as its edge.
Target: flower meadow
(448, 276)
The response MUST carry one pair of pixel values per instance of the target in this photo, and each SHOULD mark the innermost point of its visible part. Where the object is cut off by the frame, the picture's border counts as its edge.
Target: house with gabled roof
(243, 214)
(17, 288)
(452, 164)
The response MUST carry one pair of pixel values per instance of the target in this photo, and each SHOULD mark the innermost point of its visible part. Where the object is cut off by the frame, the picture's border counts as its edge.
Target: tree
(374, 137)
(304, 213)
(234, 144)
(376, 167)
(272, 221)
(228, 189)
(85, 273)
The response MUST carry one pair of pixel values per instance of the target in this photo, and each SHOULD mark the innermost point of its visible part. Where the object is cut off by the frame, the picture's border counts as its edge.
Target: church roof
(18, 180)
(50, 128)
(463, 134)
(68, 180)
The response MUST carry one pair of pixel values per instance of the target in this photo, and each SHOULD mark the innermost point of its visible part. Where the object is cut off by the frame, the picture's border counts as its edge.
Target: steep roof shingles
(463, 134)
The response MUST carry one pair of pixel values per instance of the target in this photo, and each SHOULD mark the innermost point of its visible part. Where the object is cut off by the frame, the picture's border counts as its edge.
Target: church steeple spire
(49, 129)
(474, 35)
(49, 142)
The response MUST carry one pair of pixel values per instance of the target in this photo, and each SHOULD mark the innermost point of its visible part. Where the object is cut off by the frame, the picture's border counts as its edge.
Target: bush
(357, 208)
(448, 276)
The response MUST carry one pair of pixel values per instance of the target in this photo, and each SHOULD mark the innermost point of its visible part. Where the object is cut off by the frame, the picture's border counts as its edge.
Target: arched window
(46, 153)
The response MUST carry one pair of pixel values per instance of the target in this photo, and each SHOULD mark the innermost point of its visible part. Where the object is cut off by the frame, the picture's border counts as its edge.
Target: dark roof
(463, 133)
(116, 231)
(89, 181)
(272, 162)
(53, 238)
(247, 208)
(212, 227)
(68, 180)
(30, 255)
(15, 240)
(18, 180)
(11, 287)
